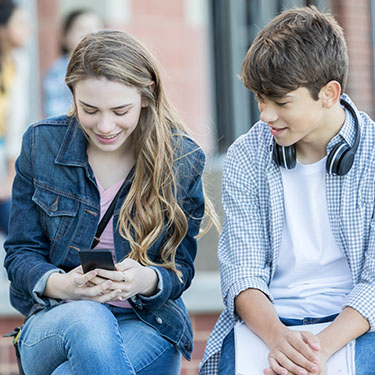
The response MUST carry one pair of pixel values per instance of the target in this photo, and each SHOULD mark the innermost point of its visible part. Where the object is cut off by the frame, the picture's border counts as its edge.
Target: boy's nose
(267, 114)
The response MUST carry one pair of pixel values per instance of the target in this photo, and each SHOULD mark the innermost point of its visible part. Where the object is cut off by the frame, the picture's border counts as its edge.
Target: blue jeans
(364, 349)
(4, 215)
(85, 337)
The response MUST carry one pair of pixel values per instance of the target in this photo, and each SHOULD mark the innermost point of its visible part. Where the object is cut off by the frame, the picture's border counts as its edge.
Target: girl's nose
(106, 124)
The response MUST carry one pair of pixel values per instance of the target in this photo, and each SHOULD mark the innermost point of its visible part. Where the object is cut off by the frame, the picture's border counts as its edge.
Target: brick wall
(179, 43)
(203, 325)
(355, 18)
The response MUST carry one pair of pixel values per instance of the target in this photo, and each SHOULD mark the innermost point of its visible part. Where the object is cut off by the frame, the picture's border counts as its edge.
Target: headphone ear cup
(284, 156)
(340, 159)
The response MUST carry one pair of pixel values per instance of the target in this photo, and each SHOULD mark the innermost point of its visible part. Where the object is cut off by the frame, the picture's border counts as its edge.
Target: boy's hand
(322, 369)
(295, 353)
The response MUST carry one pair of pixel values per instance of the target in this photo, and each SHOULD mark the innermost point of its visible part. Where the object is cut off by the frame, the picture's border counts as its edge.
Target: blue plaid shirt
(252, 196)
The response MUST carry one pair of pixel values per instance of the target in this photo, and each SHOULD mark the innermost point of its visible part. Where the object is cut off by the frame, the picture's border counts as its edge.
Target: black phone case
(91, 259)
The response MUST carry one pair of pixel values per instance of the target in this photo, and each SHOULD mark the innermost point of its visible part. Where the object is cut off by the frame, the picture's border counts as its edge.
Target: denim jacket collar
(73, 148)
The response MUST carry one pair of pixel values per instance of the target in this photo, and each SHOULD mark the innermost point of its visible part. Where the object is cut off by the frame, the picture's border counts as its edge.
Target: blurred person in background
(14, 77)
(57, 97)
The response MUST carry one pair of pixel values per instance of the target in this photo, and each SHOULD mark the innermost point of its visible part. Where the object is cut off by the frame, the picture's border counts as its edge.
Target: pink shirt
(106, 239)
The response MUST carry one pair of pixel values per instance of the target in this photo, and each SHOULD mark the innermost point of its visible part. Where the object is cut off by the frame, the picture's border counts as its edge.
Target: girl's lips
(276, 132)
(107, 139)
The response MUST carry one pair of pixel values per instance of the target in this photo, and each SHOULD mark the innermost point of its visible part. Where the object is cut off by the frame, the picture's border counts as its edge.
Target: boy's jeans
(84, 337)
(364, 350)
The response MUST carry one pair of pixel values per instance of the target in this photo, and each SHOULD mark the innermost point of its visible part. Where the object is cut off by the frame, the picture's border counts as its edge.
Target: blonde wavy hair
(151, 207)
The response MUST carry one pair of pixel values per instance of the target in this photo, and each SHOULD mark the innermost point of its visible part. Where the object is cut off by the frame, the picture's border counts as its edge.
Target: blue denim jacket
(55, 213)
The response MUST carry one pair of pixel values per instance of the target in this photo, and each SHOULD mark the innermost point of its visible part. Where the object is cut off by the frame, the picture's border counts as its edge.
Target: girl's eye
(121, 113)
(91, 112)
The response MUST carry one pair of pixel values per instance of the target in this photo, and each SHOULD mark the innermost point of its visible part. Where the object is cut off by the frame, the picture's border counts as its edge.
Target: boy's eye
(281, 104)
(260, 99)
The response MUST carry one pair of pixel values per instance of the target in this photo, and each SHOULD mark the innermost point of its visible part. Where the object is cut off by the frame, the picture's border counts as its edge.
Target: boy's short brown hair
(301, 47)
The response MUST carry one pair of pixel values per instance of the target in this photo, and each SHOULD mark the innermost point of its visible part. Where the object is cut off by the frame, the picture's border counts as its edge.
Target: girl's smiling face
(108, 111)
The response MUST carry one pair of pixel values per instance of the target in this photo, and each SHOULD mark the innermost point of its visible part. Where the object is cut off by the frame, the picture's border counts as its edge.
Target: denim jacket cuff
(162, 295)
(40, 286)
(159, 288)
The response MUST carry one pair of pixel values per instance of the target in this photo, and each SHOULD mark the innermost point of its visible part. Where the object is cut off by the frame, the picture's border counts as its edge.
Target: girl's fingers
(110, 275)
(80, 280)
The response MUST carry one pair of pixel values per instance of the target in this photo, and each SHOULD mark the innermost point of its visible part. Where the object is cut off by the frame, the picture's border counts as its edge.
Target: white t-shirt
(312, 277)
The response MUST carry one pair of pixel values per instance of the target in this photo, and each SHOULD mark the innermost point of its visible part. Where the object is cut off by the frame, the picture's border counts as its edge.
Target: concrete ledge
(204, 294)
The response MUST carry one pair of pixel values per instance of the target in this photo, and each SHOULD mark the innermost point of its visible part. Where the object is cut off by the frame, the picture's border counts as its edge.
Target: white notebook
(252, 352)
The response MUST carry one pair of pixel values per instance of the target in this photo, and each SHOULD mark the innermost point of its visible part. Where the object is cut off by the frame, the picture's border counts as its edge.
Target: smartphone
(101, 258)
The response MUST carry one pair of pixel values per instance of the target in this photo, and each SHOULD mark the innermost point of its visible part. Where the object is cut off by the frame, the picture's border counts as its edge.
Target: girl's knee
(90, 317)
(84, 318)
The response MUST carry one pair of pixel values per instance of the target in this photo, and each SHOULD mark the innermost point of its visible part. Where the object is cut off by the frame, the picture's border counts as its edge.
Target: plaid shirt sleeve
(351, 203)
(242, 252)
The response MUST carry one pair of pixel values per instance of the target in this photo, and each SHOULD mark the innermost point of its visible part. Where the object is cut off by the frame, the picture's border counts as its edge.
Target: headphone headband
(356, 123)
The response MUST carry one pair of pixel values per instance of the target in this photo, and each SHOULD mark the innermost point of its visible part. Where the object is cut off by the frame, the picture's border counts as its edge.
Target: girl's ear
(330, 94)
(145, 100)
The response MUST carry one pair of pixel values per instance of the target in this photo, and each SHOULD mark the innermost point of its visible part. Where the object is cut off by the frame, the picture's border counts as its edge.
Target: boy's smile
(275, 131)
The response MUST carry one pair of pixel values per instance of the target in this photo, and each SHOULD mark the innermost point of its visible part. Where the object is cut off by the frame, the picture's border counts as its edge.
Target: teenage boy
(298, 242)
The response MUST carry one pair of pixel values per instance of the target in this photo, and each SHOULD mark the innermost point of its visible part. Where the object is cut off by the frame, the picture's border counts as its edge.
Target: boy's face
(296, 117)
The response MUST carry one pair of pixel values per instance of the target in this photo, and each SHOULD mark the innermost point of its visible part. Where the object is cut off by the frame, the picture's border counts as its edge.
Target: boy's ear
(330, 94)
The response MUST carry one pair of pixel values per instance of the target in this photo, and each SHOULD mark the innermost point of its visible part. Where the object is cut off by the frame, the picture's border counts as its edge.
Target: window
(234, 25)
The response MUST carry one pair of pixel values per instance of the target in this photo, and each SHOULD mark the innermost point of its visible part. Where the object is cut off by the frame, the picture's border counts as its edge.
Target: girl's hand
(131, 278)
(76, 285)
(295, 353)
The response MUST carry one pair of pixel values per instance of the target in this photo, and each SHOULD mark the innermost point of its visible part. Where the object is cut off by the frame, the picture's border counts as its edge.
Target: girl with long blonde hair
(121, 142)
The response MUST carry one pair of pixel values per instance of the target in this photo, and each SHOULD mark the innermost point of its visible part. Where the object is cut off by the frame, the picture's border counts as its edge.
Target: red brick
(205, 322)
(199, 348)
(8, 324)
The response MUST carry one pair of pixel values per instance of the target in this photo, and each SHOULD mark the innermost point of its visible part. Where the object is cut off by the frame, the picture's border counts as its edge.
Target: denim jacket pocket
(57, 212)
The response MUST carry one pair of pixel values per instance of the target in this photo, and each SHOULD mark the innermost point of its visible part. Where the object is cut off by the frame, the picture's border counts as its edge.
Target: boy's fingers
(312, 340)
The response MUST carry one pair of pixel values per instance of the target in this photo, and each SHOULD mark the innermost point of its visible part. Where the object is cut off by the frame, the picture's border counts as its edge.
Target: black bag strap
(105, 219)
